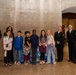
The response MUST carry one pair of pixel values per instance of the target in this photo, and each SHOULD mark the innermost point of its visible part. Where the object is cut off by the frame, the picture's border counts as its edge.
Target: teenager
(50, 48)
(42, 46)
(7, 43)
(34, 44)
(27, 47)
(9, 28)
(18, 47)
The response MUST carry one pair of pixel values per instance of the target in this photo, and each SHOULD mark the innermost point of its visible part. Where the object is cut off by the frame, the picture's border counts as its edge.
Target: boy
(34, 44)
(18, 46)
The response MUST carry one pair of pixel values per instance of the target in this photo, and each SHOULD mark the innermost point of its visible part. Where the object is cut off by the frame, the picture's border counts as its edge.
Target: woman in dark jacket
(59, 40)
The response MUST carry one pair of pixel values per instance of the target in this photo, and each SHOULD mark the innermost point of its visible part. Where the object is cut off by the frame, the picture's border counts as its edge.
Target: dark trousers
(12, 59)
(34, 52)
(72, 51)
(60, 52)
(42, 56)
(7, 59)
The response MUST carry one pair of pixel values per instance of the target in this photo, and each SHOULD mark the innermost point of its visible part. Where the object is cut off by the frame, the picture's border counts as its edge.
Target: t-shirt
(27, 39)
(34, 39)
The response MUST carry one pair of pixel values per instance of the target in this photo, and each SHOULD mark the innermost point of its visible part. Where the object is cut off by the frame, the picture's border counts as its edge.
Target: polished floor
(62, 68)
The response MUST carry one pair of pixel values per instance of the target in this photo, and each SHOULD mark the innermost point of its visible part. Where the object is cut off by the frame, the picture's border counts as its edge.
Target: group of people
(47, 43)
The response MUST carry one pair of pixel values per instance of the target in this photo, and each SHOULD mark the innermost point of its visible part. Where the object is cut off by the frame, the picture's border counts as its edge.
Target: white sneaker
(18, 63)
(26, 63)
(15, 62)
(54, 63)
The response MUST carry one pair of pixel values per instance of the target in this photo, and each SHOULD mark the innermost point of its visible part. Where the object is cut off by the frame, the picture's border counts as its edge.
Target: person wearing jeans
(50, 55)
(18, 46)
(50, 48)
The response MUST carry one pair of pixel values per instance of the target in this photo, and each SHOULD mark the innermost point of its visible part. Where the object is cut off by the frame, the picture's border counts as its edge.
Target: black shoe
(69, 60)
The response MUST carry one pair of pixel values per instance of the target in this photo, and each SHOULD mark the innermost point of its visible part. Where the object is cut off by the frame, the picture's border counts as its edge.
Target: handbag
(26, 50)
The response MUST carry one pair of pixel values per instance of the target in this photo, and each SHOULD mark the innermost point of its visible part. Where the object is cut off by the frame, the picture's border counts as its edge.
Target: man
(59, 40)
(71, 37)
(34, 44)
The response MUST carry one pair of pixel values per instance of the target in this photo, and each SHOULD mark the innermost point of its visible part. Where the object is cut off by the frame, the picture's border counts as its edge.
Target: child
(42, 46)
(34, 44)
(7, 43)
(50, 48)
(27, 47)
(18, 46)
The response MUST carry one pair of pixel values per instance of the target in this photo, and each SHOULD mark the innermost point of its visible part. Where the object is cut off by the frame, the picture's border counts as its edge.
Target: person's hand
(58, 42)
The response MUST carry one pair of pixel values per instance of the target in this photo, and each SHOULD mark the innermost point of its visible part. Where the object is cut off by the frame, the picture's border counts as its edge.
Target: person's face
(19, 34)
(43, 33)
(8, 33)
(28, 34)
(59, 29)
(48, 32)
(70, 27)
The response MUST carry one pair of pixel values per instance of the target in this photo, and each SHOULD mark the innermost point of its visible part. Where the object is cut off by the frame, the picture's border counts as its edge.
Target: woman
(59, 40)
(50, 48)
(7, 43)
(42, 46)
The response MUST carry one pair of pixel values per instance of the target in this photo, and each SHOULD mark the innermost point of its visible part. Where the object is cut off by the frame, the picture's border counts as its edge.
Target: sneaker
(41, 62)
(15, 62)
(54, 63)
(6, 65)
(26, 63)
(47, 63)
(18, 63)
(9, 64)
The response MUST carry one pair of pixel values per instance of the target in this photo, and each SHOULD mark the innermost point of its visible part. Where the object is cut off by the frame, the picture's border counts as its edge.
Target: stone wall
(31, 14)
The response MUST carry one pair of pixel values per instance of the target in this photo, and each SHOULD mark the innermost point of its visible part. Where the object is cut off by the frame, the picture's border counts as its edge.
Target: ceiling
(69, 10)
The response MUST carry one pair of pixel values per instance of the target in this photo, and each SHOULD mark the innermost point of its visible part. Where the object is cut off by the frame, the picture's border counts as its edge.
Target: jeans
(17, 55)
(50, 54)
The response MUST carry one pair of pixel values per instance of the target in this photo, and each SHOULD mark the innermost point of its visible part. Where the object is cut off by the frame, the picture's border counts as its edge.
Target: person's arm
(53, 41)
(9, 41)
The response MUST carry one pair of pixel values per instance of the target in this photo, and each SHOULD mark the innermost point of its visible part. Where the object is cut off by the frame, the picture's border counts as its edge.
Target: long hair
(10, 36)
(7, 29)
(42, 35)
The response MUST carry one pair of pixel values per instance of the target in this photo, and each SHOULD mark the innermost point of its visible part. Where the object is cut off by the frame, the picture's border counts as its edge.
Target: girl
(27, 47)
(42, 46)
(50, 48)
(7, 43)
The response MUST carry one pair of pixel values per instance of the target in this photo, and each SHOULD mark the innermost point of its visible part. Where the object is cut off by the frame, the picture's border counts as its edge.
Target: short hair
(27, 32)
(19, 31)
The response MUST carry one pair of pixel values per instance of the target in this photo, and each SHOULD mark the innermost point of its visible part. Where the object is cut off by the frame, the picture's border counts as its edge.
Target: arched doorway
(69, 17)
